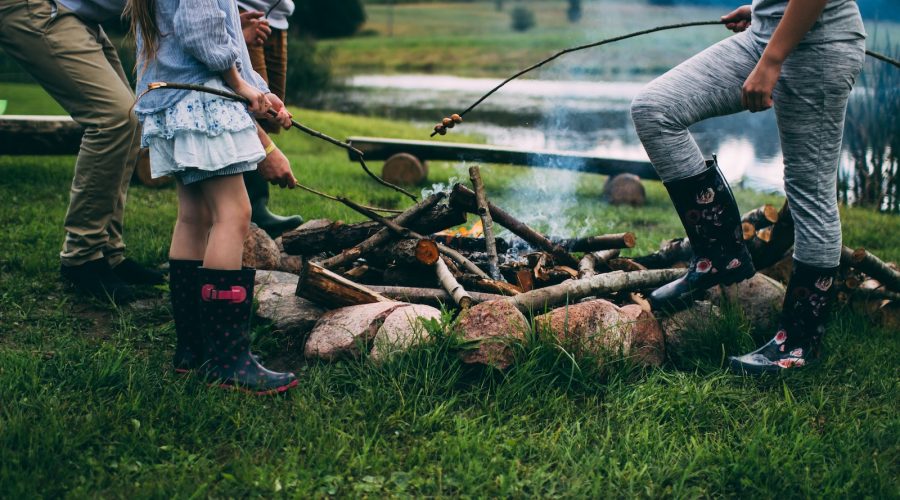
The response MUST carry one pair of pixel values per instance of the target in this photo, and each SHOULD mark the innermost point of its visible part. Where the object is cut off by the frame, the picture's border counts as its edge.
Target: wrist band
(271, 147)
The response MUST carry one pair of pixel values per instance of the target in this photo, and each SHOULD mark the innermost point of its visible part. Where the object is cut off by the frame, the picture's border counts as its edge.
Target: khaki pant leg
(74, 64)
(276, 62)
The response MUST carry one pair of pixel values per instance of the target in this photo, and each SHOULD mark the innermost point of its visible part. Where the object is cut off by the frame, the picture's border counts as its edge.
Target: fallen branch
(600, 285)
(331, 290)
(876, 268)
(430, 296)
(587, 267)
(486, 221)
(452, 287)
(596, 243)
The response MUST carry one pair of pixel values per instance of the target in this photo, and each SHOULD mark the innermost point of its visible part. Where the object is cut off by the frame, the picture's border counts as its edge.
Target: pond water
(591, 117)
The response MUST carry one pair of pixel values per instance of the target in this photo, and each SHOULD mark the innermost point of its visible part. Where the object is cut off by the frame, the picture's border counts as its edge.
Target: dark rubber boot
(807, 306)
(712, 221)
(133, 273)
(226, 298)
(95, 278)
(184, 292)
(258, 191)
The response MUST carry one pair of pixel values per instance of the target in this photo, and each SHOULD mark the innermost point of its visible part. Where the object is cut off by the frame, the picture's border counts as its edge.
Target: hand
(255, 29)
(277, 169)
(284, 116)
(756, 94)
(257, 101)
(738, 20)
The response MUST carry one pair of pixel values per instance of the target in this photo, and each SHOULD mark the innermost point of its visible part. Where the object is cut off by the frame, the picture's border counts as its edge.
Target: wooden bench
(375, 148)
(39, 135)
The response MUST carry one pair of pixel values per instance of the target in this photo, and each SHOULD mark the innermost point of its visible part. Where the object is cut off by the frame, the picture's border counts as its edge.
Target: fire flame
(476, 231)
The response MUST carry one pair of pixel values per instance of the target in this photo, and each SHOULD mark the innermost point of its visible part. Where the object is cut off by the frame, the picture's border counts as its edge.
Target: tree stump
(600, 327)
(404, 169)
(625, 189)
(492, 326)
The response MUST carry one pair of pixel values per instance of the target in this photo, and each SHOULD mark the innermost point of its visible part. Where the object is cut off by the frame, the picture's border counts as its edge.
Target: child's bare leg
(192, 226)
(229, 205)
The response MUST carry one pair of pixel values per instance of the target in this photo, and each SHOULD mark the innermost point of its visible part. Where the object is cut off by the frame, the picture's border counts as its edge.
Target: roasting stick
(448, 123)
(294, 123)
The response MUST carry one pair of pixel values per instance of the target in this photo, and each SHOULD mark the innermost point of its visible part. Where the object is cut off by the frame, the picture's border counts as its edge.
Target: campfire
(432, 254)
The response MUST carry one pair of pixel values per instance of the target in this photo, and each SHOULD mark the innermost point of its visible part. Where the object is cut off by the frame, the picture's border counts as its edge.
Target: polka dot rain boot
(711, 219)
(226, 299)
(184, 292)
(798, 341)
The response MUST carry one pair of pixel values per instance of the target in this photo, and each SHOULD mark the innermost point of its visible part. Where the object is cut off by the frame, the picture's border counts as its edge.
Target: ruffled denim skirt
(200, 137)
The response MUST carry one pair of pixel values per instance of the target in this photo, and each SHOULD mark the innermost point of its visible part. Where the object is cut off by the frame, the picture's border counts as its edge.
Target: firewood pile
(372, 284)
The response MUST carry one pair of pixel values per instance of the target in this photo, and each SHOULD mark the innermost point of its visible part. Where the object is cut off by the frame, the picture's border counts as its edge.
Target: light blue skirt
(202, 136)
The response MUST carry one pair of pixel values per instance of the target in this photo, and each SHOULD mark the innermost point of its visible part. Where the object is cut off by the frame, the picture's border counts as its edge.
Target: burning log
(331, 290)
(600, 285)
(384, 234)
(464, 198)
(596, 243)
(413, 252)
(486, 221)
(876, 268)
(448, 282)
(322, 235)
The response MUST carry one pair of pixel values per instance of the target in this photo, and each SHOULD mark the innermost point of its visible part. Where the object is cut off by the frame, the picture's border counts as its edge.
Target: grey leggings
(810, 104)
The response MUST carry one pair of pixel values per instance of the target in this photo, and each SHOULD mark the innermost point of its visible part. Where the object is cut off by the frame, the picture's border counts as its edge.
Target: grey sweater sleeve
(200, 25)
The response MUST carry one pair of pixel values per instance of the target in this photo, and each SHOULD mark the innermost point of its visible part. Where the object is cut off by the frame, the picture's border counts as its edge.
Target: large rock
(680, 329)
(348, 332)
(260, 250)
(625, 189)
(601, 327)
(288, 313)
(491, 326)
(760, 298)
(402, 329)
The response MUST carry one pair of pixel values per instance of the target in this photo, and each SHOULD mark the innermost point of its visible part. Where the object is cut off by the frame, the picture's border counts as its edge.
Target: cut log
(491, 328)
(408, 252)
(348, 332)
(601, 328)
(402, 329)
(463, 198)
(436, 297)
(487, 222)
(600, 285)
(331, 290)
(625, 189)
(623, 264)
(595, 243)
(326, 236)
(876, 268)
(448, 282)
(761, 217)
(404, 169)
(383, 235)
(771, 244)
(594, 261)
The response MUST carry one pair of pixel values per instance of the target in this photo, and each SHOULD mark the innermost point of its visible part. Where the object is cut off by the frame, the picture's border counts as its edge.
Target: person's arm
(275, 168)
(200, 27)
(799, 17)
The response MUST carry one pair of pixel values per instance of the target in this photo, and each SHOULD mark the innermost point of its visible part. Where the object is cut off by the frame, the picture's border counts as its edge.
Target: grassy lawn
(88, 406)
(473, 39)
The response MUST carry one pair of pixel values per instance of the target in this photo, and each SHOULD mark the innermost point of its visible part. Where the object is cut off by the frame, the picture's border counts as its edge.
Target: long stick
(294, 123)
(487, 222)
(442, 129)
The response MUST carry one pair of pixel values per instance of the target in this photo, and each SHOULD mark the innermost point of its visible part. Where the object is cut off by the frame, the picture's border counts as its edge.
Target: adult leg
(810, 104)
(708, 84)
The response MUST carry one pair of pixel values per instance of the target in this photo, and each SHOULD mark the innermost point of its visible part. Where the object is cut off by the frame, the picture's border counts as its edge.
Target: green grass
(88, 407)
(473, 39)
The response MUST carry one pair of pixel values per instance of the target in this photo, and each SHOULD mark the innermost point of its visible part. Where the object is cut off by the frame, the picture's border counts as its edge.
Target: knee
(118, 117)
(648, 112)
(236, 217)
(199, 219)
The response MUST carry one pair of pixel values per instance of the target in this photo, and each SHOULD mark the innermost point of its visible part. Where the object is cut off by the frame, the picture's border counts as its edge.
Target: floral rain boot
(226, 299)
(184, 292)
(711, 219)
(807, 305)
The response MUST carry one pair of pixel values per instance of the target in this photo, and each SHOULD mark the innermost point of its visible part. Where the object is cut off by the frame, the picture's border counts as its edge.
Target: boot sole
(685, 301)
(269, 392)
